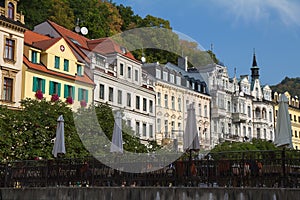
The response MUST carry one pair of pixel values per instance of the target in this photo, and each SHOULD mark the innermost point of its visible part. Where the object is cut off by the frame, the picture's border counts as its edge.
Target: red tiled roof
(45, 44)
(43, 68)
(107, 46)
(30, 37)
(102, 45)
(67, 34)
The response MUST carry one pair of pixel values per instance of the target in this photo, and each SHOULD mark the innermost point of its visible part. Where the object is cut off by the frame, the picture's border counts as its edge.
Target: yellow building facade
(294, 111)
(12, 30)
(51, 71)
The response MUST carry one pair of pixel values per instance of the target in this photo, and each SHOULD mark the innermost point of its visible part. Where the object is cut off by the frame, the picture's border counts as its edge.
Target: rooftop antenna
(83, 30)
(143, 59)
(211, 47)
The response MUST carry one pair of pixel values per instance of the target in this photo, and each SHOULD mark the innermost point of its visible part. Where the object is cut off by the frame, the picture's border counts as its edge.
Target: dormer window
(11, 10)
(79, 70)
(34, 57)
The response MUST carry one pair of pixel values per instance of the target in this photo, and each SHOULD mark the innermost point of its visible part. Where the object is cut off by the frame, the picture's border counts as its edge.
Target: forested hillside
(105, 18)
(292, 85)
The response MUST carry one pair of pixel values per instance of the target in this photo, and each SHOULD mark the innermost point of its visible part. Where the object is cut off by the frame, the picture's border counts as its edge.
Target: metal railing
(227, 169)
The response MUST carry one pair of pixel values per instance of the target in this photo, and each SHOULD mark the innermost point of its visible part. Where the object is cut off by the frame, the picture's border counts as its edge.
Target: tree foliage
(292, 85)
(30, 132)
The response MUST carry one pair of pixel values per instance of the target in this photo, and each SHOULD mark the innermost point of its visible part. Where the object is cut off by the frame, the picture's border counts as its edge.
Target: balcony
(217, 112)
(239, 117)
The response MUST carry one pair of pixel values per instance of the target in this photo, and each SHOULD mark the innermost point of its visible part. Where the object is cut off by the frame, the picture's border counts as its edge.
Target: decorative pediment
(159, 113)
(173, 116)
(166, 115)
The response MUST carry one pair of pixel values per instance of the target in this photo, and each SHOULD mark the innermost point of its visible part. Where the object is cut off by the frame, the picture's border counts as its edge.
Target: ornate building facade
(12, 30)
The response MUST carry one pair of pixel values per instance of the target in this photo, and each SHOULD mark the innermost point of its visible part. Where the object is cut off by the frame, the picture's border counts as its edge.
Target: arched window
(257, 113)
(11, 10)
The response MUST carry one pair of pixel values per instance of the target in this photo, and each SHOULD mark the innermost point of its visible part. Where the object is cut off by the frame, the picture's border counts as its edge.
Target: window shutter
(59, 89)
(86, 95)
(79, 94)
(73, 92)
(51, 87)
(34, 84)
(66, 91)
(43, 85)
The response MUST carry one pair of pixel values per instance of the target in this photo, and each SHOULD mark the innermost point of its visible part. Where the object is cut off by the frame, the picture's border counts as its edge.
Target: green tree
(62, 14)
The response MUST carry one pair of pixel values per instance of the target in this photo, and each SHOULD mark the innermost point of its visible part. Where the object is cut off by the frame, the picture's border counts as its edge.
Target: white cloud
(287, 11)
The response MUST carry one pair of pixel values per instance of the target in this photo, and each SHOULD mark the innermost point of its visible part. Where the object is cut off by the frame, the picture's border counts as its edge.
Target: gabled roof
(46, 44)
(73, 39)
(108, 46)
(30, 37)
(43, 68)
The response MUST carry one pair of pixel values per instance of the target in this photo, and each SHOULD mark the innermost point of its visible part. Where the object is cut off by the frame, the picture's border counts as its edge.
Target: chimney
(183, 63)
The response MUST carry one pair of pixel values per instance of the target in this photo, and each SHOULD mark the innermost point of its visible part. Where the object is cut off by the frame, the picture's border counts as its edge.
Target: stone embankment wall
(147, 193)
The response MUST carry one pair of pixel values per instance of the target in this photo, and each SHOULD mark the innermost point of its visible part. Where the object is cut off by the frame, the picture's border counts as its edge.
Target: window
(144, 104)
(249, 111)
(178, 80)
(150, 130)
(101, 92)
(296, 134)
(228, 106)
(34, 56)
(11, 11)
(150, 106)
(205, 111)
(54, 88)
(137, 128)
(165, 76)
(137, 102)
(128, 122)
(159, 99)
(187, 104)
(270, 116)
(166, 101)
(144, 129)
(179, 104)
(249, 132)
(173, 102)
(121, 69)
(159, 125)
(200, 109)
(299, 119)
(79, 70)
(66, 65)
(158, 74)
(99, 60)
(119, 97)
(111, 94)
(136, 75)
(172, 78)
(166, 128)
(128, 99)
(258, 133)
(83, 94)
(38, 84)
(56, 62)
(128, 72)
(295, 118)
(265, 133)
(69, 91)
(7, 89)
(9, 49)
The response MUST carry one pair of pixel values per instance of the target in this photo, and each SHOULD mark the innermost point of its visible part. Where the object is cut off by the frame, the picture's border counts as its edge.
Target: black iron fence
(227, 169)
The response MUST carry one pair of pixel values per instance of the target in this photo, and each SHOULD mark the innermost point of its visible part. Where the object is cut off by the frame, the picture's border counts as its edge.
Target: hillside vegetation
(292, 85)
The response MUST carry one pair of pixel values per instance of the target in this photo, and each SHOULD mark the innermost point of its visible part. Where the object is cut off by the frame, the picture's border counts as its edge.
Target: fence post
(6, 174)
(283, 181)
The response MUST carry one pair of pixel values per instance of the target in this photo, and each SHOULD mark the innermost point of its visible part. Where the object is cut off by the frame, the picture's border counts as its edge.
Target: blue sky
(235, 27)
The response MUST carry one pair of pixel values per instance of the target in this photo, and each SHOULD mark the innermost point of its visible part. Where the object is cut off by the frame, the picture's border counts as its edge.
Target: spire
(255, 68)
(254, 63)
